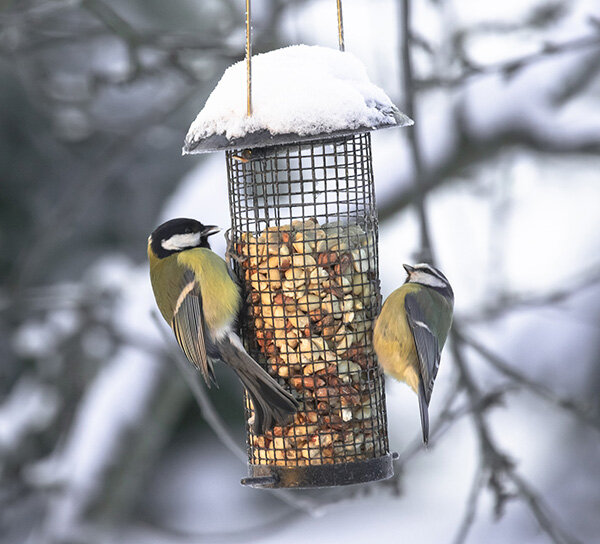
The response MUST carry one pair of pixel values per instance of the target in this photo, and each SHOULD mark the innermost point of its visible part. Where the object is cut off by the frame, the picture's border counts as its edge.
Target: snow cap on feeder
(299, 93)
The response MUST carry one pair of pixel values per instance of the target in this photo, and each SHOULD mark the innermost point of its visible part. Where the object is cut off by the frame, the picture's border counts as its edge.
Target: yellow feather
(220, 295)
(393, 340)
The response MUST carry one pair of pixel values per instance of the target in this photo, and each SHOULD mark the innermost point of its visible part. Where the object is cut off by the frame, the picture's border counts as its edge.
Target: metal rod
(340, 26)
(248, 61)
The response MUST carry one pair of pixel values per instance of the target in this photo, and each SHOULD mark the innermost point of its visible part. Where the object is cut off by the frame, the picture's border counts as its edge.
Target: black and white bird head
(425, 274)
(180, 234)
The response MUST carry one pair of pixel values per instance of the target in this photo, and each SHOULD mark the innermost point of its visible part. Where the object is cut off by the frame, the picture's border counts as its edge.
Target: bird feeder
(303, 243)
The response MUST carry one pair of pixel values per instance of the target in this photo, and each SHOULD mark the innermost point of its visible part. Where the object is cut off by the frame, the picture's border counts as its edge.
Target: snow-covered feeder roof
(299, 93)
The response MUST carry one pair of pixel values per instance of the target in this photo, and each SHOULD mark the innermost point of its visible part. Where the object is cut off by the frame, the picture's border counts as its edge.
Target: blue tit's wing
(428, 350)
(188, 326)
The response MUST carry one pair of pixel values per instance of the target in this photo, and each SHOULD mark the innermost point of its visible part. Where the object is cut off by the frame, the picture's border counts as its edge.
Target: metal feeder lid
(299, 93)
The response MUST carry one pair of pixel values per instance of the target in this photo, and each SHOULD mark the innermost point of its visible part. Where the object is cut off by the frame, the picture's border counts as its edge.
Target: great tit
(411, 330)
(200, 300)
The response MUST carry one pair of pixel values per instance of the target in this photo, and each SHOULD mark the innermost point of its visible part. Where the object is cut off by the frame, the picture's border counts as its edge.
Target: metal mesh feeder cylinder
(304, 234)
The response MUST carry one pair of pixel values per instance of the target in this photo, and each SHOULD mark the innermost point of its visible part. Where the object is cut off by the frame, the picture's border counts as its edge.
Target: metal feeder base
(272, 477)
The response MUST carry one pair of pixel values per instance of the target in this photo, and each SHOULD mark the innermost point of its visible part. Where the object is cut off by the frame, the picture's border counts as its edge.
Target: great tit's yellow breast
(393, 340)
(221, 299)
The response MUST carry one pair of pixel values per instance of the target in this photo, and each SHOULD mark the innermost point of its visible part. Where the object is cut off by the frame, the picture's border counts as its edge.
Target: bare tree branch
(499, 465)
(112, 20)
(472, 150)
(471, 507)
(508, 302)
(509, 68)
(216, 423)
(582, 413)
(542, 514)
(426, 251)
(59, 221)
(493, 461)
(210, 414)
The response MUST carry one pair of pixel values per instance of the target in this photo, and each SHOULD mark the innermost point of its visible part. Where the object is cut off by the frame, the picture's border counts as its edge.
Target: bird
(200, 300)
(411, 330)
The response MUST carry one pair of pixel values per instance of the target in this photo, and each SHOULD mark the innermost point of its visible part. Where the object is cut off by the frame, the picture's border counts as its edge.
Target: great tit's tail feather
(272, 404)
(424, 409)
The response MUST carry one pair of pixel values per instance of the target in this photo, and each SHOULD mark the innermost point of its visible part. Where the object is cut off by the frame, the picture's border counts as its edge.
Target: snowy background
(100, 437)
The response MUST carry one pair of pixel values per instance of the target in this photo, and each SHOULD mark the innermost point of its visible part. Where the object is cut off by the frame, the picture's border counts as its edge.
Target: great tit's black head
(180, 234)
(430, 276)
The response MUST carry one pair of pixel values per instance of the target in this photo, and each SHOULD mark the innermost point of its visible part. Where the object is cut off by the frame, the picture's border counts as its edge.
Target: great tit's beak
(409, 269)
(209, 230)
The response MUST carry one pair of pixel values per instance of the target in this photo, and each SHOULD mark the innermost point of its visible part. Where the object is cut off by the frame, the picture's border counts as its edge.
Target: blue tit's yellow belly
(393, 340)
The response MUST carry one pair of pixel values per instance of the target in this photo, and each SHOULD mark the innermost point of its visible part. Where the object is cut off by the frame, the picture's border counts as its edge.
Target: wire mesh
(304, 241)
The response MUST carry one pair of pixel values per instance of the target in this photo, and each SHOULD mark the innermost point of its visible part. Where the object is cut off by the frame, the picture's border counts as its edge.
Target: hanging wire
(249, 49)
(248, 61)
(340, 26)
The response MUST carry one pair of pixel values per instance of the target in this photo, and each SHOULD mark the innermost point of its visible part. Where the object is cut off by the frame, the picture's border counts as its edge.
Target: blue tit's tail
(272, 405)
(424, 409)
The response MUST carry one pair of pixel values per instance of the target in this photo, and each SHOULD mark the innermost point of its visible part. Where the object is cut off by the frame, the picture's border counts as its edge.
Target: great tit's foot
(230, 254)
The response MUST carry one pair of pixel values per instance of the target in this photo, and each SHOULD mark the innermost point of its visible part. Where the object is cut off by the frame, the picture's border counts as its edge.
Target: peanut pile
(312, 293)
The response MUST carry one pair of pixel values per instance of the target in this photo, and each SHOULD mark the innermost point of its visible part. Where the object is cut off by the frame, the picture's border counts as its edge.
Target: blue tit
(200, 300)
(411, 330)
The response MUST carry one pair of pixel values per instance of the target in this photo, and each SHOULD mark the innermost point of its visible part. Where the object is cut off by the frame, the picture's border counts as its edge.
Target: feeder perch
(304, 245)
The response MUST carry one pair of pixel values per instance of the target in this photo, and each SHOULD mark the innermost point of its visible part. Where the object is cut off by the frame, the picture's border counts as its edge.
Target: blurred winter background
(100, 437)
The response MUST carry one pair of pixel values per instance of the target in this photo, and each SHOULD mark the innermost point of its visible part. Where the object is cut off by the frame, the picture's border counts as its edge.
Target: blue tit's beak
(409, 269)
(209, 230)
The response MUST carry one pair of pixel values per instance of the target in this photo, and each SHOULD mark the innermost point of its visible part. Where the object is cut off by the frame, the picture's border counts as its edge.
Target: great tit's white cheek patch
(181, 241)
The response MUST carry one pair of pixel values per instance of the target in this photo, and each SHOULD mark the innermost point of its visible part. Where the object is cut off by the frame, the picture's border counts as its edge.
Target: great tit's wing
(426, 343)
(232, 276)
(188, 326)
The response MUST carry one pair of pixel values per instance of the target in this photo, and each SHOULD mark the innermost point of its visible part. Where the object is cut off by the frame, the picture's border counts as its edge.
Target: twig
(493, 458)
(508, 68)
(415, 447)
(488, 451)
(512, 301)
(59, 221)
(500, 467)
(493, 461)
(472, 150)
(209, 412)
(443, 424)
(438, 429)
(582, 413)
(216, 423)
(471, 508)
(541, 512)
(426, 251)
(112, 20)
